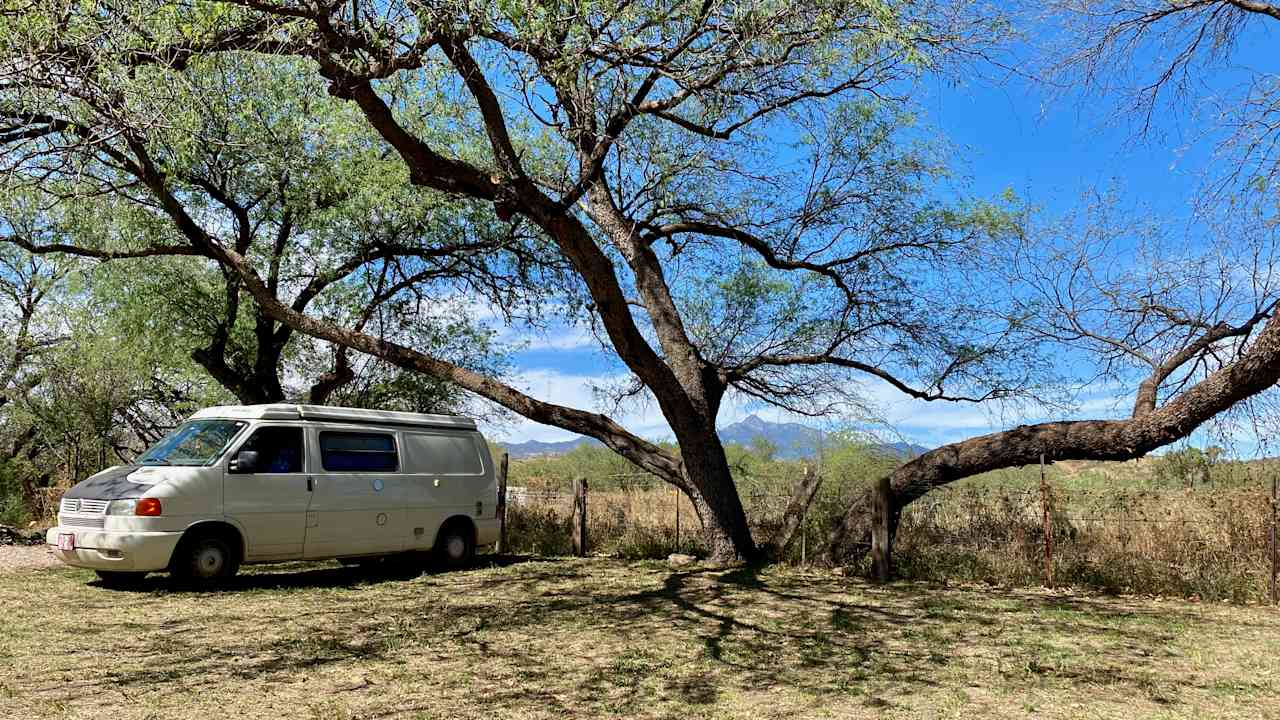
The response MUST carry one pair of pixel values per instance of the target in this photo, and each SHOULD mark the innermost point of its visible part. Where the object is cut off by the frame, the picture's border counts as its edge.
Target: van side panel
(455, 475)
(355, 511)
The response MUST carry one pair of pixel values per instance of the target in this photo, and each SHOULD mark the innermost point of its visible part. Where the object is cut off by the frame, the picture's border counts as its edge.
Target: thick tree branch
(1149, 389)
(641, 452)
(97, 254)
(1255, 370)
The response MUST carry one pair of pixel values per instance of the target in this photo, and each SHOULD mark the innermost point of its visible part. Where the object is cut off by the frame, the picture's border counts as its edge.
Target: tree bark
(1256, 370)
(715, 497)
(793, 517)
(249, 388)
(335, 379)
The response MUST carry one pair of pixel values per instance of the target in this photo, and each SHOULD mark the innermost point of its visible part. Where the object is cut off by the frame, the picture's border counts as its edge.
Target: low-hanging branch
(1255, 370)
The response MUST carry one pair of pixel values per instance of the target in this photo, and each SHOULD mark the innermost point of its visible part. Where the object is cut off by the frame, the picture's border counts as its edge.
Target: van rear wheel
(205, 561)
(456, 545)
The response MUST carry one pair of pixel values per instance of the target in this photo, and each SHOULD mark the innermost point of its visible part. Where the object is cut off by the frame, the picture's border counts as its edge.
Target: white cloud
(576, 391)
(559, 336)
(927, 423)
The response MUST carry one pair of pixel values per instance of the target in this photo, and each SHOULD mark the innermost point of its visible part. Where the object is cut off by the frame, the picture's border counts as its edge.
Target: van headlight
(122, 507)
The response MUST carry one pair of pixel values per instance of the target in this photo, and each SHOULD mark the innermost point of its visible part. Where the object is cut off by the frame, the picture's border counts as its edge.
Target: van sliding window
(358, 452)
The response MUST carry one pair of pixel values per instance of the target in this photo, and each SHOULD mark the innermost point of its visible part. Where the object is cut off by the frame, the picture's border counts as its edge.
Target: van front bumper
(124, 551)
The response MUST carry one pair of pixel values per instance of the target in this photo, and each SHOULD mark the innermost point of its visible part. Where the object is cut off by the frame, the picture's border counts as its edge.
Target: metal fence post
(677, 519)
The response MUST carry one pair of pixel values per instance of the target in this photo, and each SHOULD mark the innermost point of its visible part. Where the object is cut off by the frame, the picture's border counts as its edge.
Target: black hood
(112, 484)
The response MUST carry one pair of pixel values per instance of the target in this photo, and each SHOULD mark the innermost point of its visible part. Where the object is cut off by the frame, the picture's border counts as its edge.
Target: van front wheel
(206, 561)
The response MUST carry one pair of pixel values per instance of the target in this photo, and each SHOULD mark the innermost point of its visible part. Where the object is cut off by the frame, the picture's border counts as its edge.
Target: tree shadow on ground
(645, 634)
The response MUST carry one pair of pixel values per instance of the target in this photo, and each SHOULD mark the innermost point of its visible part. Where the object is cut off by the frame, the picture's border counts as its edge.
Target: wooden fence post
(502, 503)
(1046, 523)
(677, 519)
(804, 536)
(881, 512)
(580, 517)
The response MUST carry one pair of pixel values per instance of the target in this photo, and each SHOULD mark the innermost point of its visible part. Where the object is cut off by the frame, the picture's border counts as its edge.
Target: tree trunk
(716, 499)
(332, 381)
(1257, 369)
(261, 384)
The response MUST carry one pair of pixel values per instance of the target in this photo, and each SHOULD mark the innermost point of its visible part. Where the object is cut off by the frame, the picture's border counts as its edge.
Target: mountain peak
(792, 440)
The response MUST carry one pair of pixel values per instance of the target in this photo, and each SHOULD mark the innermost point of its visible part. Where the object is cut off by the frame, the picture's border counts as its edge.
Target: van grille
(86, 522)
(83, 505)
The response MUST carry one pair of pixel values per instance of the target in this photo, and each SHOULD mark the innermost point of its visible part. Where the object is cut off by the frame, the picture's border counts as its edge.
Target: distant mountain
(792, 440)
(535, 448)
(903, 449)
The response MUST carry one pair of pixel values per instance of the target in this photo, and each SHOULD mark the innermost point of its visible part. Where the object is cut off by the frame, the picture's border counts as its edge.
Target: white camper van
(268, 483)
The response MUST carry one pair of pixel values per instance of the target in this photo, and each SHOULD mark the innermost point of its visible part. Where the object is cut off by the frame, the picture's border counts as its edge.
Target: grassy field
(1210, 543)
(539, 638)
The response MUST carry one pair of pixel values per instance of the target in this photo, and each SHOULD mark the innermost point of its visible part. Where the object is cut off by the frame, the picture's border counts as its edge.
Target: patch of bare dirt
(14, 558)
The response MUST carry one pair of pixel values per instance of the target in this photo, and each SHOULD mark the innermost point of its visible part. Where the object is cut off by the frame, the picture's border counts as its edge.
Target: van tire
(120, 580)
(206, 560)
(456, 544)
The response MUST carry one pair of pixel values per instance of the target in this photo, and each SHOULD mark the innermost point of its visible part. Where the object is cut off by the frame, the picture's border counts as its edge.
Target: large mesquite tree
(722, 179)
(732, 188)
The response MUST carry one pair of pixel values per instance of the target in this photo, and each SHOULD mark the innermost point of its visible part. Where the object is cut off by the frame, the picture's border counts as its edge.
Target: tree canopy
(733, 195)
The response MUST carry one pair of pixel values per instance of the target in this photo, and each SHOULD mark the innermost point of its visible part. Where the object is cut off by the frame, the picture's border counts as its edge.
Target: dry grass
(640, 523)
(1207, 543)
(604, 638)
(630, 524)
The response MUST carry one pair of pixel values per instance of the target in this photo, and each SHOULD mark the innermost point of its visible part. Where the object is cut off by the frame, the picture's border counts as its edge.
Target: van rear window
(358, 452)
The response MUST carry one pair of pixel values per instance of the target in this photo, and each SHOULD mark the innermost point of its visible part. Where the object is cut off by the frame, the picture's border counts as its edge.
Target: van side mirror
(245, 461)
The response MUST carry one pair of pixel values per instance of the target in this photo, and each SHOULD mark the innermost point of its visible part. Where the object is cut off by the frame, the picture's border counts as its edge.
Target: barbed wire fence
(1207, 541)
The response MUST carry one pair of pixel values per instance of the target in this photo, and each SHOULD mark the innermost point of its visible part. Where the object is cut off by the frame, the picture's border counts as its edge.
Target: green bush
(13, 510)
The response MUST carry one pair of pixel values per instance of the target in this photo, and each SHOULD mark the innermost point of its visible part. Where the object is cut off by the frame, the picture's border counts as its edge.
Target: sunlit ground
(555, 638)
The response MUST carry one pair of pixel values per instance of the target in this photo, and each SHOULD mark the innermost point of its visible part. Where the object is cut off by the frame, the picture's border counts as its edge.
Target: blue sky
(1048, 149)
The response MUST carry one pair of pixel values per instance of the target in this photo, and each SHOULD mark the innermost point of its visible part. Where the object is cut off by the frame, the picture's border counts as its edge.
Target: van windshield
(196, 442)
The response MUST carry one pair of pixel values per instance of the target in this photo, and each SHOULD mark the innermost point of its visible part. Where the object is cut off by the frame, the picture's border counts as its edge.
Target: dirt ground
(560, 639)
(25, 557)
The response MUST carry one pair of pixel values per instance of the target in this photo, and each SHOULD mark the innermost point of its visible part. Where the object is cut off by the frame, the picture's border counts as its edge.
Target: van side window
(357, 451)
(443, 454)
(279, 449)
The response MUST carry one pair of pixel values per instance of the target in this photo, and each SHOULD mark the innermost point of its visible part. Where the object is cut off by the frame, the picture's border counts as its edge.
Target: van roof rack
(326, 413)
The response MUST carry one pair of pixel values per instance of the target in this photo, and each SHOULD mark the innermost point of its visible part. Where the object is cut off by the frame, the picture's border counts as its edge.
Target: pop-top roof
(283, 411)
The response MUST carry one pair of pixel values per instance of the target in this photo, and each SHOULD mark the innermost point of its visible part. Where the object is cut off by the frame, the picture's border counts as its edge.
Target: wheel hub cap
(209, 561)
(456, 547)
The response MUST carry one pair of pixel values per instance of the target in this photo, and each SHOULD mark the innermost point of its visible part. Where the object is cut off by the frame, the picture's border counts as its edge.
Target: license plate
(66, 542)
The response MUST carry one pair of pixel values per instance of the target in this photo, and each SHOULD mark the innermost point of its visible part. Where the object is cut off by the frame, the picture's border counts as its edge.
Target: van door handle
(310, 484)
